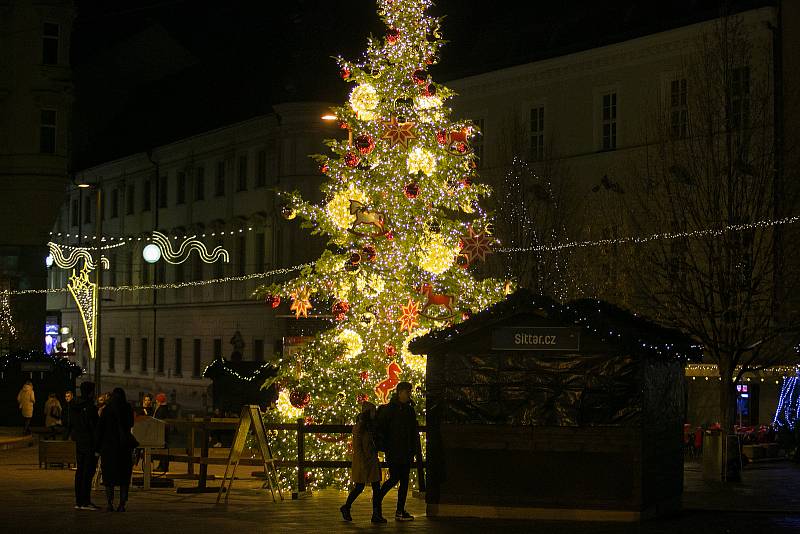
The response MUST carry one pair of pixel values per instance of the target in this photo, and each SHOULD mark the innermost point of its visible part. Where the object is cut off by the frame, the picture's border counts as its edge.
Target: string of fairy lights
(635, 240)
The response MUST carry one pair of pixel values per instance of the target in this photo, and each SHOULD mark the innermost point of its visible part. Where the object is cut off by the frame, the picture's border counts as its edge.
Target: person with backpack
(84, 424)
(399, 437)
(366, 468)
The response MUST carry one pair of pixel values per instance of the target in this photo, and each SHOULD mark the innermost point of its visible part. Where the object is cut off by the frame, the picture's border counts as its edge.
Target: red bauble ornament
(324, 168)
(392, 35)
(466, 316)
(419, 76)
(390, 350)
(362, 397)
(429, 60)
(461, 148)
(389, 236)
(343, 125)
(441, 137)
(411, 190)
(299, 399)
(364, 376)
(429, 90)
(340, 309)
(369, 252)
(345, 73)
(466, 181)
(355, 258)
(365, 144)
(273, 301)
(351, 160)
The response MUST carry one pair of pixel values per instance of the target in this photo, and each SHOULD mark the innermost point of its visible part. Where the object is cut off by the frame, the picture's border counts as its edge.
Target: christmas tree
(404, 225)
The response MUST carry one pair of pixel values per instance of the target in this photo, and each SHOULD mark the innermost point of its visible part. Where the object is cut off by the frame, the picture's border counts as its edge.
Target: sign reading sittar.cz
(536, 338)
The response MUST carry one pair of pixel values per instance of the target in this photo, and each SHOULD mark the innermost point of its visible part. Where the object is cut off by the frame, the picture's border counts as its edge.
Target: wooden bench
(56, 452)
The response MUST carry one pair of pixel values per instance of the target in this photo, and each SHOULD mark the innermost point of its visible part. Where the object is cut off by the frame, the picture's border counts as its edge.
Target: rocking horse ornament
(436, 299)
(365, 217)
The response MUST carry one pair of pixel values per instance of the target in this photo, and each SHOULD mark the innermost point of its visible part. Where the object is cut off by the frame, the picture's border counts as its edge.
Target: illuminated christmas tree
(401, 211)
(8, 332)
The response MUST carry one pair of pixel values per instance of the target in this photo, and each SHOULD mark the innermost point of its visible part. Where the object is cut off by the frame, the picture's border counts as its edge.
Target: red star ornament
(399, 133)
(301, 303)
(476, 246)
(409, 319)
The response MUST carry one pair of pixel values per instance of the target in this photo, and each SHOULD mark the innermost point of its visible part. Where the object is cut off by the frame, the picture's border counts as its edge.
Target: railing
(300, 428)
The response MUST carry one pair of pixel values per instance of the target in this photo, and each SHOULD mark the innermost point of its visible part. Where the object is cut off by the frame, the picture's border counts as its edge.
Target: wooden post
(190, 451)
(301, 456)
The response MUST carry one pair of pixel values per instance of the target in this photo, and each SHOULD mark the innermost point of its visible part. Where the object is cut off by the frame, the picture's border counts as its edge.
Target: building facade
(36, 95)
(220, 187)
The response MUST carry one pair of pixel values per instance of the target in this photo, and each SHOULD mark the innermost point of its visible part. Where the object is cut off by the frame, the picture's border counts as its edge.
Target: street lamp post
(98, 264)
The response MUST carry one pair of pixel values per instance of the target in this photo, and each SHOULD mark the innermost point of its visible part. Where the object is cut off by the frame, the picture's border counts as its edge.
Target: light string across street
(540, 248)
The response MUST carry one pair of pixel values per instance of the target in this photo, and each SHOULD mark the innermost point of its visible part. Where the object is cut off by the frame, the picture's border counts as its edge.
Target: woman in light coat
(52, 412)
(26, 399)
(366, 467)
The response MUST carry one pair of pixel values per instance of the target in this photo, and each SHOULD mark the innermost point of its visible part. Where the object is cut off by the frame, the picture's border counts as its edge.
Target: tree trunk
(727, 401)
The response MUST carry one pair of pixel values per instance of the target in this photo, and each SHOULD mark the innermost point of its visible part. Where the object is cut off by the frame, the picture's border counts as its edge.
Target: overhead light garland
(73, 257)
(185, 250)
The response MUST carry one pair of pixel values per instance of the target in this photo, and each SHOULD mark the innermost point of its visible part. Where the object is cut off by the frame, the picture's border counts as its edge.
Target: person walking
(397, 425)
(162, 412)
(52, 415)
(83, 418)
(366, 468)
(115, 444)
(66, 414)
(26, 399)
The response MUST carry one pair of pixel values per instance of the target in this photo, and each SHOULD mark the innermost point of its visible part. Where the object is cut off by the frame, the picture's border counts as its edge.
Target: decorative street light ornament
(163, 247)
(84, 291)
(151, 253)
(48, 261)
(69, 257)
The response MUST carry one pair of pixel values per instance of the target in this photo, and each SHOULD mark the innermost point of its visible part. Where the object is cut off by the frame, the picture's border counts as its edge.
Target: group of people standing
(392, 428)
(103, 432)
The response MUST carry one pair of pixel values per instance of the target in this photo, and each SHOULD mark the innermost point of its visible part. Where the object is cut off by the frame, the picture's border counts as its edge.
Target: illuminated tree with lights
(404, 225)
(8, 332)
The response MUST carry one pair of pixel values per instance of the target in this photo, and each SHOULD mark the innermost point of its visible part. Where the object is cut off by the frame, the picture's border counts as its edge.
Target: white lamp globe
(151, 253)
(49, 260)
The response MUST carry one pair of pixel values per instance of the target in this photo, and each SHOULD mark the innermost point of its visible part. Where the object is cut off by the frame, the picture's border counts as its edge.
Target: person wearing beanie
(397, 425)
(366, 468)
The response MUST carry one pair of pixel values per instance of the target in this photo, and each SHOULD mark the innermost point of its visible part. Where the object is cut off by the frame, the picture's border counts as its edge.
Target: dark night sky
(151, 71)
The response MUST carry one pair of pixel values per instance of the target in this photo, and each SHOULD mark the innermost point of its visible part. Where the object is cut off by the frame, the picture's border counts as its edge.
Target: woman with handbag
(366, 467)
(115, 444)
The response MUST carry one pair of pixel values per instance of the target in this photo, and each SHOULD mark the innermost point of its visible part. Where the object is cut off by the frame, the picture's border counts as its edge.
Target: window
(114, 203)
(178, 357)
(50, 33)
(217, 348)
(241, 250)
(739, 96)
(200, 183)
(163, 183)
(197, 267)
(258, 350)
(179, 273)
(678, 109)
(75, 213)
(47, 131)
(259, 260)
(219, 267)
(143, 362)
(181, 194)
(112, 349)
(261, 168)
(87, 210)
(127, 355)
(160, 361)
(537, 133)
(144, 274)
(129, 279)
(112, 271)
(241, 177)
(609, 121)
(130, 200)
(219, 182)
(146, 194)
(196, 359)
(161, 272)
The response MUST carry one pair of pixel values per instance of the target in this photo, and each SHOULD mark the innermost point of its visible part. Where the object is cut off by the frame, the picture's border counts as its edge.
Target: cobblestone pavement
(34, 500)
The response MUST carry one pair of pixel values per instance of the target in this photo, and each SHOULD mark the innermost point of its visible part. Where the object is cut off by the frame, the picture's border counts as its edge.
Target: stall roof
(35, 356)
(245, 371)
(607, 320)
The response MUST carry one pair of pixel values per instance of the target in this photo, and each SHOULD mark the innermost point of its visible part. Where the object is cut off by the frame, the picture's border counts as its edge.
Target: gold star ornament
(301, 303)
(399, 133)
(476, 246)
(409, 319)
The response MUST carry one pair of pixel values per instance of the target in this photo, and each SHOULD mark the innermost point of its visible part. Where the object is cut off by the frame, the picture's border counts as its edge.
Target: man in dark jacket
(66, 414)
(397, 424)
(84, 424)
